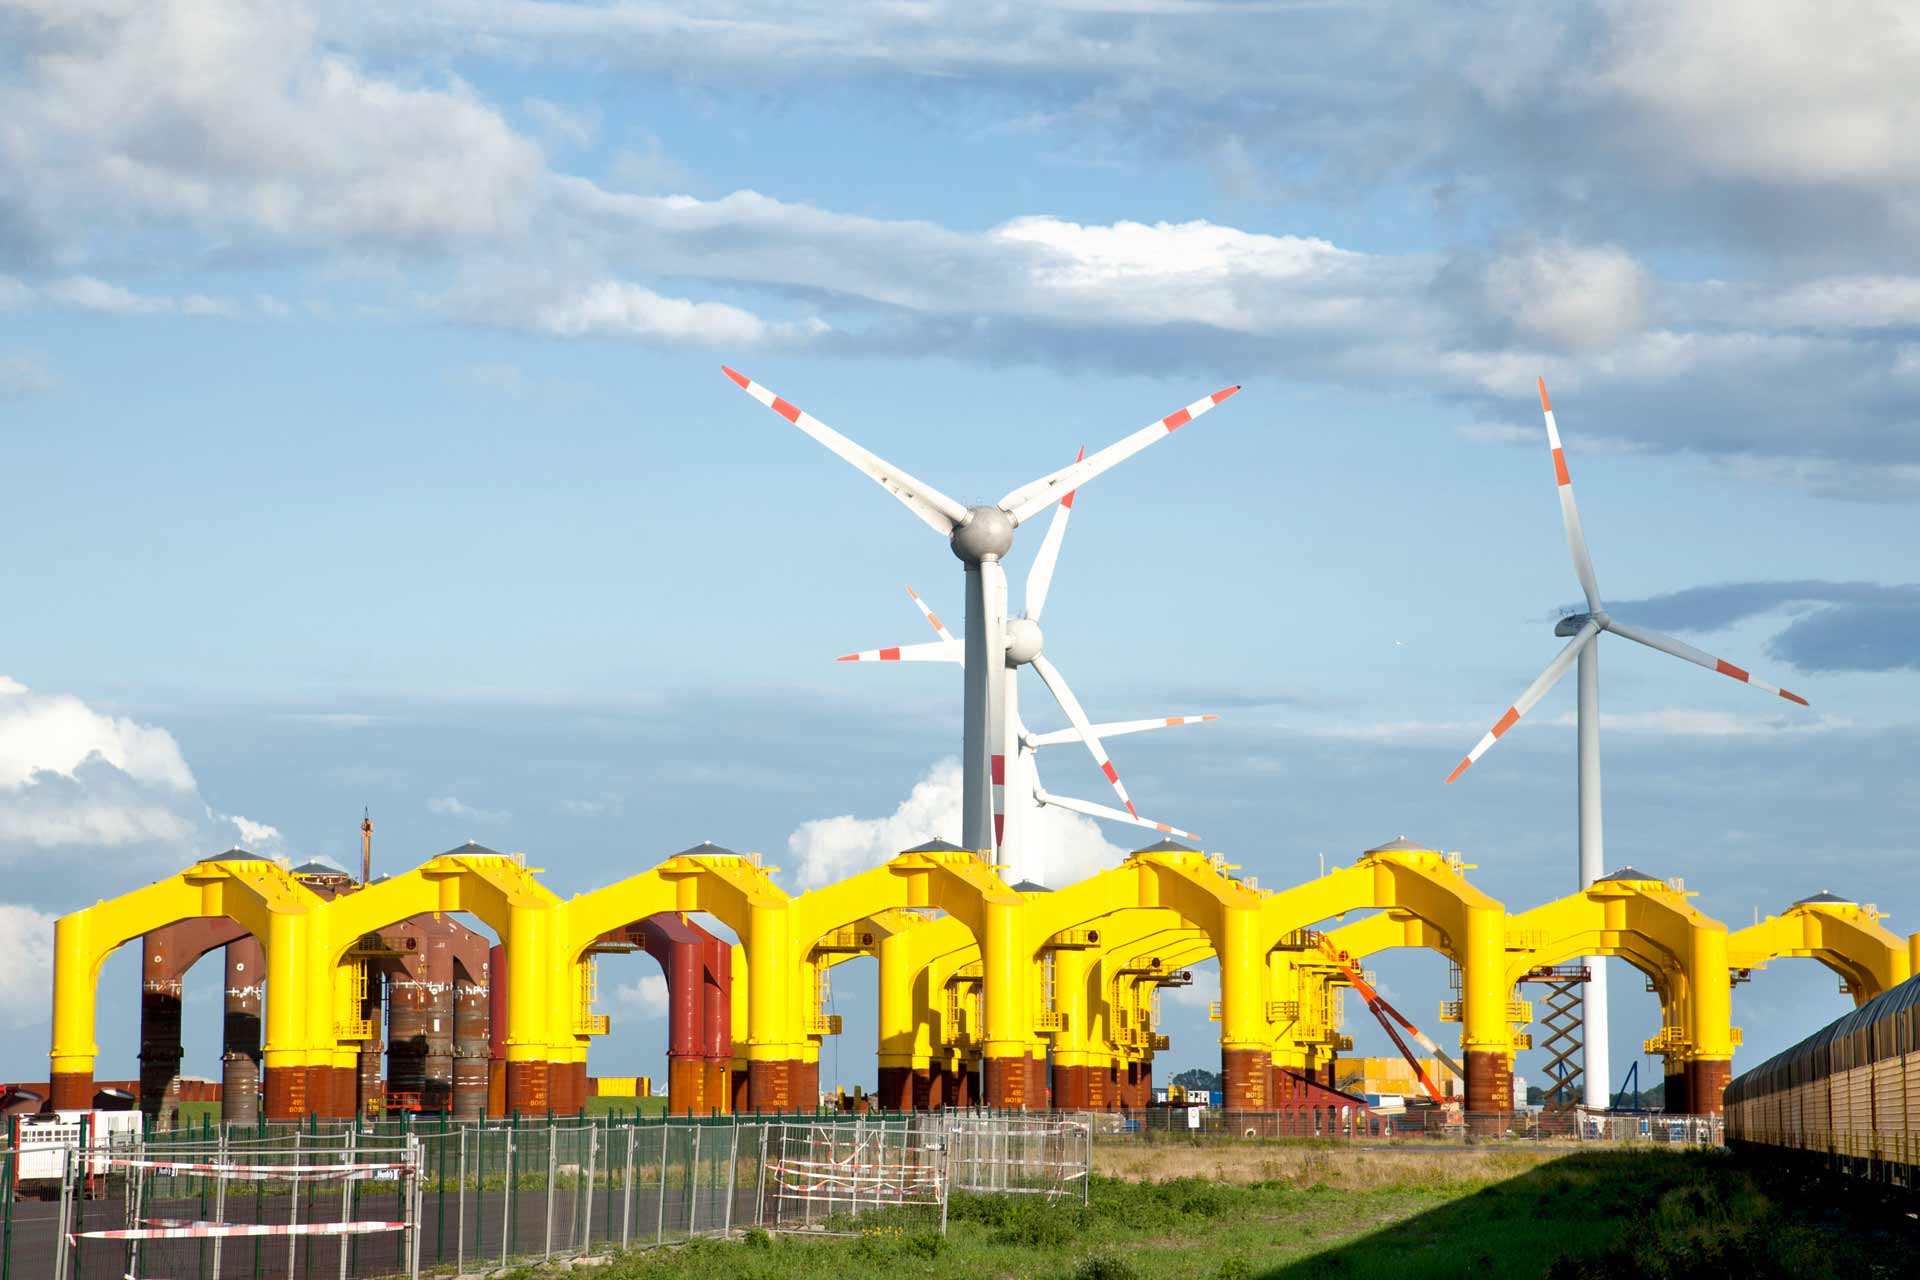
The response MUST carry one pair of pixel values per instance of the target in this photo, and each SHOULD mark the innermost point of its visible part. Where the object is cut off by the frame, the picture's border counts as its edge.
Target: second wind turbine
(980, 537)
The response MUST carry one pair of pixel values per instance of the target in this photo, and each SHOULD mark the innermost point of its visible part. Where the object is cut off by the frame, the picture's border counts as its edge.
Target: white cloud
(26, 939)
(1576, 297)
(75, 782)
(622, 309)
(1198, 994)
(1063, 847)
(645, 997)
(454, 807)
(55, 733)
(238, 117)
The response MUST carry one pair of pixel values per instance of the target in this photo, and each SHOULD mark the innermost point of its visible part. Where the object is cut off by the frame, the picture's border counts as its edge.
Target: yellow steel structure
(1844, 936)
(972, 973)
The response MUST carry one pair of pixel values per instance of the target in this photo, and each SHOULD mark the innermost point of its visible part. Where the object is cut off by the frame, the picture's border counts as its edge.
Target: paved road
(466, 1227)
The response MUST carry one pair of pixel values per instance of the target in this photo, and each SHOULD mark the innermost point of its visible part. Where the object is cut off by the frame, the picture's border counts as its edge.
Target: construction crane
(1387, 1016)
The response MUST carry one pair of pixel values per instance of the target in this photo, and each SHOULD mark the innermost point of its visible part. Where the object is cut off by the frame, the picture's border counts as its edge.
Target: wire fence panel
(374, 1201)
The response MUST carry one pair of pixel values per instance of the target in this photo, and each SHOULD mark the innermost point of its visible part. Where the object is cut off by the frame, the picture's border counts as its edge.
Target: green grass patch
(1590, 1214)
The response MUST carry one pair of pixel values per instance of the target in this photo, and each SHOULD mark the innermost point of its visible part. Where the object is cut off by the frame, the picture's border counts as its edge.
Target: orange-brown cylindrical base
(344, 1091)
(770, 1084)
(1072, 1088)
(1249, 1074)
(1675, 1101)
(739, 1082)
(805, 1078)
(497, 1088)
(527, 1088)
(71, 1090)
(686, 1086)
(895, 1089)
(1007, 1080)
(716, 1086)
(1489, 1090)
(1707, 1085)
(285, 1091)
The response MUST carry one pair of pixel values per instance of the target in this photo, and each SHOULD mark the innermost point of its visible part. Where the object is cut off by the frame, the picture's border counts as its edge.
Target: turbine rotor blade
(1535, 691)
(931, 651)
(938, 626)
(1115, 729)
(1093, 810)
(1569, 513)
(1057, 685)
(1030, 500)
(1040, 576)
(940, 512)
(1667, 644)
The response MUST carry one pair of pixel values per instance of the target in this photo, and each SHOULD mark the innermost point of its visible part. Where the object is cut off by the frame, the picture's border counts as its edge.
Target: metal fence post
(693, 1181)
(660, 1201)
(626, 1194)
(507, 1227)
(551, 1160)
(460, 1206)
(733, 1181)
(593, 1170)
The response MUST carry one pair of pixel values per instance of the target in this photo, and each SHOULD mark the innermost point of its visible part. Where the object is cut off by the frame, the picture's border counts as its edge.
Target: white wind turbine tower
(1019, 789)
(980, 536)
(1585, 630)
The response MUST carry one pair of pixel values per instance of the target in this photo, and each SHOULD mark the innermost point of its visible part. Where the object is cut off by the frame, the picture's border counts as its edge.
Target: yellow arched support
(256, 892)
(500, 891)
(1650, 924)
(1844, 936)
(1429, 885)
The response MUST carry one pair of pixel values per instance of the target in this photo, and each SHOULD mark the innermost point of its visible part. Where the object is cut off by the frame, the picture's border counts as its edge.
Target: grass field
(1298, 1210)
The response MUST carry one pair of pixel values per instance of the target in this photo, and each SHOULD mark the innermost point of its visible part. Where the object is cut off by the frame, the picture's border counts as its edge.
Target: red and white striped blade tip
(740, 379)
(1067, 501)
(1744, 676)
(1545, 405)
(1181, 417)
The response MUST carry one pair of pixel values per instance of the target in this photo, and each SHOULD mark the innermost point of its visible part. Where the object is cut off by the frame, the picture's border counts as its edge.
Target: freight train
(1847, 1097)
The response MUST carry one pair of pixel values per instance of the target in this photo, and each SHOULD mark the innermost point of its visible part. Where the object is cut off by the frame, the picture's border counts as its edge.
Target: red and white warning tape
(204, 1230)
(249, 1170)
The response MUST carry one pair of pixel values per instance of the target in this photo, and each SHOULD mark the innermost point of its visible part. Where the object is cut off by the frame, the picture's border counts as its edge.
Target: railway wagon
(1847, 1097)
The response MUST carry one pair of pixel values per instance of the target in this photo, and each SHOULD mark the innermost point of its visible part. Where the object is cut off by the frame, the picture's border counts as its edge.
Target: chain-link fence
(377, 1201)
(1353, 1122)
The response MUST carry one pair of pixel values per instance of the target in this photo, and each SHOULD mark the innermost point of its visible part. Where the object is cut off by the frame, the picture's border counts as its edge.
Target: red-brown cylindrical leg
(895, 1089)
(1489, 1090)
(1707, 1080)
(1249, 1074)
(527, 1088)
(1072, 1088)
(805, 1078)
(770, 1084)
(285, 1090)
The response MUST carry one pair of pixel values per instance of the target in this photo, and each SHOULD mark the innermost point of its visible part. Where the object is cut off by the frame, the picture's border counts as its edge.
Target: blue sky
(360, 390)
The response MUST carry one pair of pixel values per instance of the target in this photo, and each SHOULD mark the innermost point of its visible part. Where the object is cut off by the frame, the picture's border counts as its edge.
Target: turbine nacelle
(986, 535)
(1571, 624)
(1024, 641)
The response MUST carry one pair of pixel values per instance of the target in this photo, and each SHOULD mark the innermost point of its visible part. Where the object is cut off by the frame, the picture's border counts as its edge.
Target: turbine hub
(987, 536)
(1023, 641)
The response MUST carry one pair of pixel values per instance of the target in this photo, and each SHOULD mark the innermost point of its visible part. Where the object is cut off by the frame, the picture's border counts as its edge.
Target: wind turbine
(1585, 630)
(1019, 788)
(979, 537)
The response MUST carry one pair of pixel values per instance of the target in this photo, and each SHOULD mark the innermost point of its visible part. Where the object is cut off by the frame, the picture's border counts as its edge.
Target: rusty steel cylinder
(240, 1032)
(471, 1018)
(409, 1005)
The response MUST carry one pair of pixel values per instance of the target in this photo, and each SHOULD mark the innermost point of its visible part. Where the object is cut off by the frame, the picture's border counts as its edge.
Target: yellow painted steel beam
(258, 893)
(1846, 937)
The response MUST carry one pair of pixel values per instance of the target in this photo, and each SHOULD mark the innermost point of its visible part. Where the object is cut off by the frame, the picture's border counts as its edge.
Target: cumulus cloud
(26, 939)
(76, 782)
(646, 996)
(1063, 846)
(1835, 626)
(236, 117)
(1575, 297)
